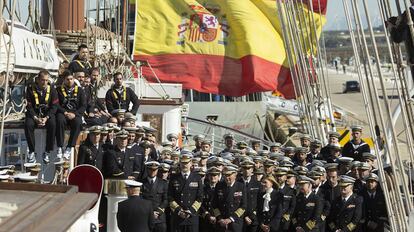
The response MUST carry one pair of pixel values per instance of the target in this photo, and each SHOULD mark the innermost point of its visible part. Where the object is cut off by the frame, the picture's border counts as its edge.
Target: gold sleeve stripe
(118, 174)
(311, 224)
(216, 212)
(173, 205)
(196, 205)
(161, 209)
(239, 212)
(286, 217)
(351, 226)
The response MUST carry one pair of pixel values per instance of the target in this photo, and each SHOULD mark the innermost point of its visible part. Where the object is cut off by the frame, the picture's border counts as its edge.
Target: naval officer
(135, 214)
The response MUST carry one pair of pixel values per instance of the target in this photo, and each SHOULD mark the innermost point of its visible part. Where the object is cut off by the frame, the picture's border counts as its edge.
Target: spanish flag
(227, 47)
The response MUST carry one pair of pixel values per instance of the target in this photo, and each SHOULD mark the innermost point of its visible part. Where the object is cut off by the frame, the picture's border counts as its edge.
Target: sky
(336, 19)
(335, 14)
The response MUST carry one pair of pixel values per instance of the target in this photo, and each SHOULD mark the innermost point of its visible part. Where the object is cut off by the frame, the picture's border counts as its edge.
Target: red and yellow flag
(229, 47)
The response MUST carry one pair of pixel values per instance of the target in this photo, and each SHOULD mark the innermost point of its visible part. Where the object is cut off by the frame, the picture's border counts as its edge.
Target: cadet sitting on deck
(70, 110)
(80, 62)
(40, 112)
(120, 96)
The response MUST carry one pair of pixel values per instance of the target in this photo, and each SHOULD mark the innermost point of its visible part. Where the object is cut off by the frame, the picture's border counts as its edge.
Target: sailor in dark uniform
(331, 188)
(344, 165)
(305, 141)
(132, 145)
(121, 162)
(203, 158)
(173, 138)
(255, 145)
(206, 147)
(275, 147)
(197, 142)
(91, 152)
(258, 174)
(269, 206)
(228, 142)
(156, 190)
(135, 214)
(289, 152)
(369, 158)
(252, 189)
(120, 96)
(70, 110)
(289, 198)
(359, 184)
(143, 156)
(308, 208)
(326, 206)
(95, 113)
(301, 157)
(333, 138)
(108, 140)
(185, 194)
(315, 151)
(80, 62)
(42, 100)
(346, 210)
(356, 146)
(207, 220)
(269, 165)
(375, 209)
(230, 202)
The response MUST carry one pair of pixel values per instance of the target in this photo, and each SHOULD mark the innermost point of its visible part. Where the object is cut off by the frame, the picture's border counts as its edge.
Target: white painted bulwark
(33, 52)
(4, 47)
(171, 117)
(143, 89)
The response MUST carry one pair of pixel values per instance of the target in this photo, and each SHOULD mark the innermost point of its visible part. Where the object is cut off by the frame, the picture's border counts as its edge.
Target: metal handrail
(264, 142)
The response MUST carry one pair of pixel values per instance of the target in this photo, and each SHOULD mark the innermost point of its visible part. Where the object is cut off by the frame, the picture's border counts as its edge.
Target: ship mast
(312, 90)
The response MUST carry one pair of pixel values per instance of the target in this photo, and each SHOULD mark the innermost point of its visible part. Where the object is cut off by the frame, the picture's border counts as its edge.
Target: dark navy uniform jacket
(346, 216)
(135, 215)
(355, 151)
(273, 217)
(121, 164)
(41, 101)
(289, 204)
(115, 100)
(252, 191)
(89, 154)
(230, 202)
(185, 195)
(157, 193)
(375, 210)
(307, 212)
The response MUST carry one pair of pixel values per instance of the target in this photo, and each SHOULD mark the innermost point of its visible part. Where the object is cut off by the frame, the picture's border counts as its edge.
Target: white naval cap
(132, 184)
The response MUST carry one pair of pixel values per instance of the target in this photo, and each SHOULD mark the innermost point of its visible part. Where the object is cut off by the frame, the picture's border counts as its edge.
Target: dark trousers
(75, 128)
(160, 227)
(102, 214)
(29, 127)
(96, 121)
(250, 228)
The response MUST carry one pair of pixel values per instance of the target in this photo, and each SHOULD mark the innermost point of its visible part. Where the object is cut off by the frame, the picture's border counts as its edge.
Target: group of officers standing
(243, 188)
